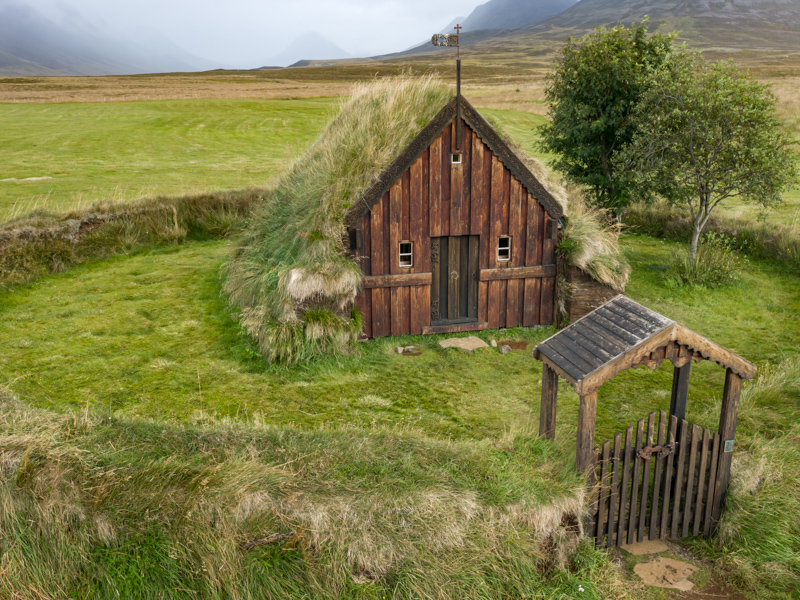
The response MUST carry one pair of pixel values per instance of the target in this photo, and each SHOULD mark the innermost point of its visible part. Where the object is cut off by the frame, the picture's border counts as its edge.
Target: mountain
(592, 13)
(309, 45)
(513, 14)
(31, 44)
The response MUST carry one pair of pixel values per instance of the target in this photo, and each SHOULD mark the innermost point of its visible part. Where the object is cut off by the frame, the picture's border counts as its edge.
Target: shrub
(717, 263)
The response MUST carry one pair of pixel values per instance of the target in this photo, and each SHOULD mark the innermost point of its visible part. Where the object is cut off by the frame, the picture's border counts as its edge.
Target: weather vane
(451, 39)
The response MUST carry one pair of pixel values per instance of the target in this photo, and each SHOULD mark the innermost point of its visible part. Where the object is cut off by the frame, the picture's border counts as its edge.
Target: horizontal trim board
(473, 326)
(401, 280)
(517, 273)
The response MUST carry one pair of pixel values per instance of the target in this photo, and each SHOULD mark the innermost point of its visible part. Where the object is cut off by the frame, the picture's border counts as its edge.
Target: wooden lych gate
(665, 477)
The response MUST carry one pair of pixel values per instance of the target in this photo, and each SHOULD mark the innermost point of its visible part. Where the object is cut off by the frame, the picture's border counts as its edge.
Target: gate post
(547, 409)
(727, 432)
(680, 390)
(587, 415)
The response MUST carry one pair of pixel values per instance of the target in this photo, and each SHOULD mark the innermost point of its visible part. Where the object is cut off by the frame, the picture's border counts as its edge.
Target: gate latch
(658, 451)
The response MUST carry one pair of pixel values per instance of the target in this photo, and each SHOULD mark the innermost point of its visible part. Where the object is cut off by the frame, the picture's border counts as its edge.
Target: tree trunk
(695, 240)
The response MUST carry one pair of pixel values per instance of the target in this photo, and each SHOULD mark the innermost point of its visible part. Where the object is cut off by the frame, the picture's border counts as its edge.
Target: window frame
(453, 156)
(409, 254)
(508, 249)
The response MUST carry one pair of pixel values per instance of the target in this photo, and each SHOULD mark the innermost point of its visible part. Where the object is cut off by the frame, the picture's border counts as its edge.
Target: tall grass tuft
(716, 264)
(292, 258)
(94, 506)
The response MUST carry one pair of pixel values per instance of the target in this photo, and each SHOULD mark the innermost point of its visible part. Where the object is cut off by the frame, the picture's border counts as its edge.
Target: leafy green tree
(595, 85)
(707, 132)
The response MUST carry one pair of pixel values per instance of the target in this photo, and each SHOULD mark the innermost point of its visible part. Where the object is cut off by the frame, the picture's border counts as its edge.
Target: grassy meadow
(148, 452)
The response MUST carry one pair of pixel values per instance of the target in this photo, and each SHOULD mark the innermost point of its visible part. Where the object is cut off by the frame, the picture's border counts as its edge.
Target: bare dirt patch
(514, 345)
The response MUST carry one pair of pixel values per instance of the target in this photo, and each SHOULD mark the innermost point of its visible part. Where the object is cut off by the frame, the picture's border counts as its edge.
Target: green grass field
(126, 151)
(139, 425)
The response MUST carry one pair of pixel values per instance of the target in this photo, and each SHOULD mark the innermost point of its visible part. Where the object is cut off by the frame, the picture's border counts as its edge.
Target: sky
(246, 33)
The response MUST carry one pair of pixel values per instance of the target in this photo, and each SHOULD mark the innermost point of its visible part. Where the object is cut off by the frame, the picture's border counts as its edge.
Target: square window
(406, 254)
(504, 249)
(456, 158)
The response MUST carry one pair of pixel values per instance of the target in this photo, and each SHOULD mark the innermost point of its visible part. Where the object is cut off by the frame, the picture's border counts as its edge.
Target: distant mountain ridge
(513, 14)
(593, 13)
(31, 44)
(308, 46)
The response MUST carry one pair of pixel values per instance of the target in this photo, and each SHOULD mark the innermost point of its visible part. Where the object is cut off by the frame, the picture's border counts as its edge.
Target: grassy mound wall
(40, 244)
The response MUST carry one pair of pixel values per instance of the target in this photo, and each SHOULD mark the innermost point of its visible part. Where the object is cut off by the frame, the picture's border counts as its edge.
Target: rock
(410, 349)
(400, 349)
(493, 343)
(666, 573)
(466, 343)
(505, 350)
(646, 547)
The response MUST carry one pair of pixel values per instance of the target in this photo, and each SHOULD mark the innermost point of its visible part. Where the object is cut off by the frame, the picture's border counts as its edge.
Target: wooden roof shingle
(621, 334)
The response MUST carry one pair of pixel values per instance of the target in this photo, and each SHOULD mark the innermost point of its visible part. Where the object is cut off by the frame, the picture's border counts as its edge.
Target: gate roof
(622, 334)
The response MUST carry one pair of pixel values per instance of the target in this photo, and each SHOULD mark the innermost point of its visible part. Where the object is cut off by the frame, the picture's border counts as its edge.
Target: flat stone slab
(646, 547)
(466, 343)
(664, 572)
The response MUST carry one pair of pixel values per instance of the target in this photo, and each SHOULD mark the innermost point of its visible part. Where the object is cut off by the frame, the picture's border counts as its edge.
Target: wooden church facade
(455, 237)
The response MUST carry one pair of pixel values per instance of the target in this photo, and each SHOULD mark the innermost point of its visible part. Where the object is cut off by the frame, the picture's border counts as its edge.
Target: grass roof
(290, 277)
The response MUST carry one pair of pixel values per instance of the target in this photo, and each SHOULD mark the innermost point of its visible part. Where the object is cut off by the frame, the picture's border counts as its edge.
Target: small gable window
(504, 249)
(406, 254)
(456, 158)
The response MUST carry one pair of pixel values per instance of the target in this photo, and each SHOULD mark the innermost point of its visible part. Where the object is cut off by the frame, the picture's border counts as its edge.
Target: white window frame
(409, 254)
(499, 248)
(454, 160)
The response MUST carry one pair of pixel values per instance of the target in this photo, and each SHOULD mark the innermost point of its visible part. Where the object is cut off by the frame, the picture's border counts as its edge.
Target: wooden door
(454, 286)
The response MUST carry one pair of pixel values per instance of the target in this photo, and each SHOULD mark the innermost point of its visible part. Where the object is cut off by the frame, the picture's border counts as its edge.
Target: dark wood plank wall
(435, 198)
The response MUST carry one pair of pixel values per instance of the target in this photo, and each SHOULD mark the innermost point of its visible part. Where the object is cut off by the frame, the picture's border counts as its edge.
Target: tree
(594, 87)
(707, 132)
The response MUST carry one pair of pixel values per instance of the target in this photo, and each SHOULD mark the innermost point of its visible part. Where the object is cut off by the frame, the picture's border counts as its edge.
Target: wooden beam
(680, 390)
(518, 273)
(727, 433)
(456, 328)
(584, 447)
(547, 409)
(399, 280)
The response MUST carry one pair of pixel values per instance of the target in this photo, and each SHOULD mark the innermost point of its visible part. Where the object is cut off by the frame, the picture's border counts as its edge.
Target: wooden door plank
(532, 233)
(366, 312)
(547, 311)
(602, 512)
(424, 251)
(705, 450)
(466, 185)
(494, 305)
(502, 309)
(654, 512)
(669, 476)
(549, 245)
(624, 495)
(436, 278)
(377, 242)
(497, 211)
(474, 274)
(380, 317)
(507, 177)
(456, 199)
(396, 299)
(435, 179)
(477, 189)
(516, 223)
(689, 496)
(612, 501)
(405, 206)
(712, 480)
(531, 302)
(677, 484)
(453, 287)
(651, 419)
(446, 178)
(637, 467)
(513, 307)
(395, 225)
(486, 210)
(463, 279)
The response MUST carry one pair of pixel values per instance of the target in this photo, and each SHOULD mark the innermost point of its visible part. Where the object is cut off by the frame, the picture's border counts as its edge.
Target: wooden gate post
(547, 410)
(680, 390)
(587, 415)
(727, 432)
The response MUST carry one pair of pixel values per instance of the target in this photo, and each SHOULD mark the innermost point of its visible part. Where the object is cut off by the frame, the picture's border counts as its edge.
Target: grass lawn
(150, 335)
(126, 151)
